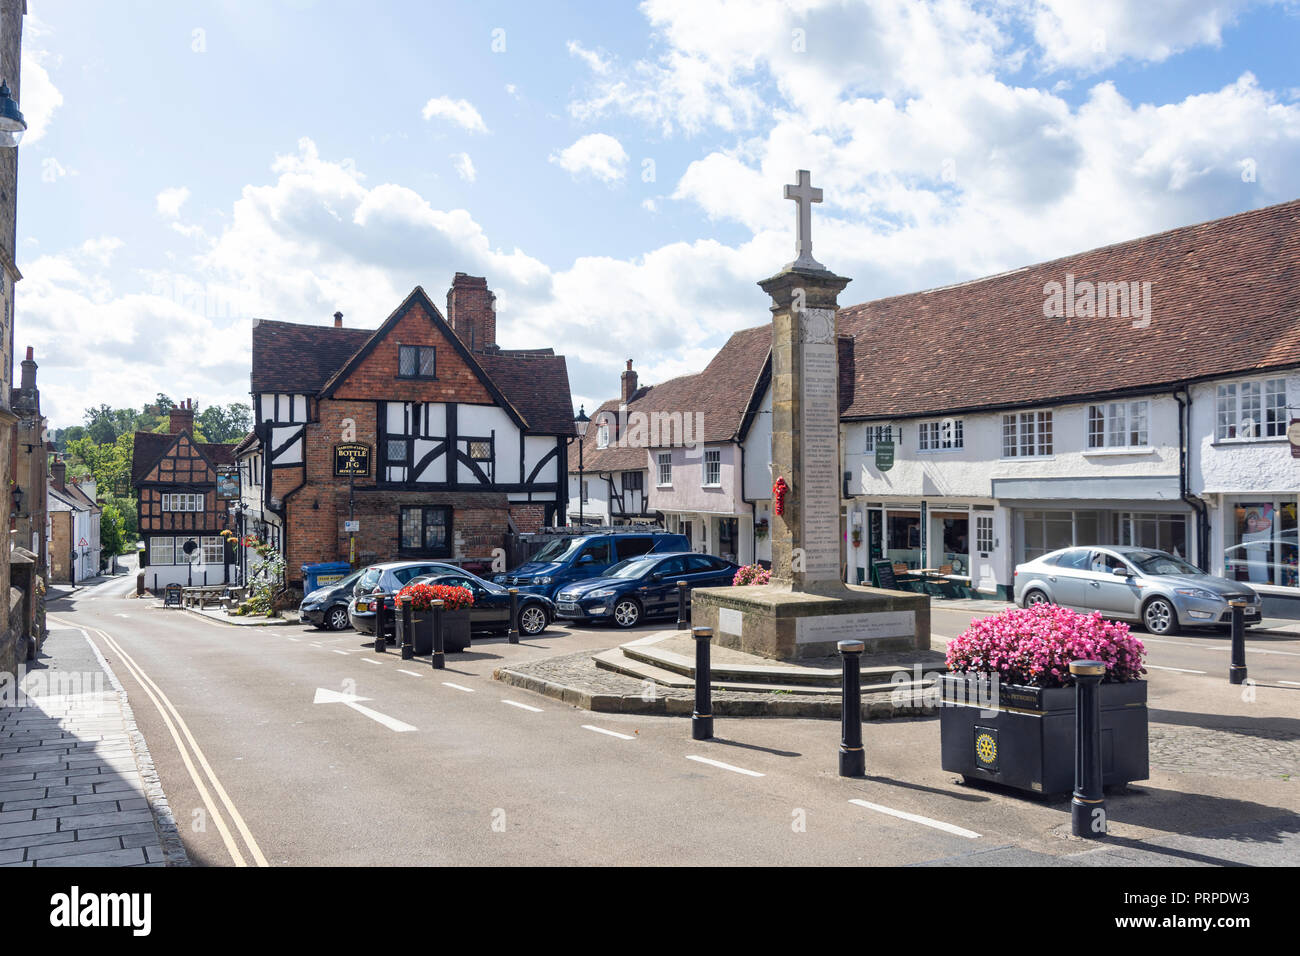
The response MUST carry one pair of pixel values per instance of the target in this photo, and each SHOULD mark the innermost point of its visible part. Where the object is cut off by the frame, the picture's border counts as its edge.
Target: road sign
(83, 543)
(351, 526)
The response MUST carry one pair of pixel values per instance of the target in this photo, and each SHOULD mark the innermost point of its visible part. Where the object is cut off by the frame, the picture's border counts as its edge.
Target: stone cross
(804, 195)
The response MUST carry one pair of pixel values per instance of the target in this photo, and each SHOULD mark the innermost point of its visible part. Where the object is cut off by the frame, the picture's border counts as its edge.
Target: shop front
(955, 541)
(1259, 548)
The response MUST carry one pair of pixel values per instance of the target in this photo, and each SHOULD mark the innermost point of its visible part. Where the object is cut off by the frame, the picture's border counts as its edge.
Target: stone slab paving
(77, 784)
(576, 680)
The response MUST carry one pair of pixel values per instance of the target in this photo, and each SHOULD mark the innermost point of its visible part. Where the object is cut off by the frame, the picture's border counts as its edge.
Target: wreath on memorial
(779, 490)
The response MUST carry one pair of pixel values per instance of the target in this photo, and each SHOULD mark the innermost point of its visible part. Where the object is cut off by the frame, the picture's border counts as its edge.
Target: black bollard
(439, 658)
(1088, 808)
(1237, 670)
(408, 629)
(702, 718)
(380, 624)
(683, 615)
(853, 761)
(514, 616)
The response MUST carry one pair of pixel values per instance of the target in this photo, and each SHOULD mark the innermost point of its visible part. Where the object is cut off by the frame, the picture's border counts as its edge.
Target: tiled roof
(312, 358)
(536, 384)
(149, 447)
(615, 457)
(292, 358)
(1225, 299)
(721, 394)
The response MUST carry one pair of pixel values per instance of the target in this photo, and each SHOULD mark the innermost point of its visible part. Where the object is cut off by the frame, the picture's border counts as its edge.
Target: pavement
(77, 783)
(291, 746)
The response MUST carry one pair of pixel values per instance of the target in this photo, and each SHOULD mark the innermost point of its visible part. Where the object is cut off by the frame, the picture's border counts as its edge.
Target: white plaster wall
(969, 472)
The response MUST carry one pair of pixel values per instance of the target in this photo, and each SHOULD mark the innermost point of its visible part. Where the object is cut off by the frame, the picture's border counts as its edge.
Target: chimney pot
(181, 418)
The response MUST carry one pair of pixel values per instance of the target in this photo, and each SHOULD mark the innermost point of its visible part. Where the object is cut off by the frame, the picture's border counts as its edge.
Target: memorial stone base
(785, 625)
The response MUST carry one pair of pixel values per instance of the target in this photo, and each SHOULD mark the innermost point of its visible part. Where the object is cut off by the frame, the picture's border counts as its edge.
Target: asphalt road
(401, 765)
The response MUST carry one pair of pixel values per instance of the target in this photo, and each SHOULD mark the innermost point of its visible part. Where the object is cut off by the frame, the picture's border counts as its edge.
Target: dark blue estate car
(585, 556)
(641, 587)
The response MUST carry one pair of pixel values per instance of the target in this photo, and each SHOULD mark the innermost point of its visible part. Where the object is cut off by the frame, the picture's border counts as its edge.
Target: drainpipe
(1198, 505)
(753, 507)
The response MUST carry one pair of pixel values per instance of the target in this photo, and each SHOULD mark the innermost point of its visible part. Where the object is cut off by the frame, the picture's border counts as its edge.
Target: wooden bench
(202, 595)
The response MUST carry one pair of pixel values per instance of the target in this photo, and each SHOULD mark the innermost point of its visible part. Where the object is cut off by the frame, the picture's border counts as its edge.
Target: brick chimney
(338, 320)
(59, 474)
(472, 312)
(28, 380)
(629, 383)
(182, 418)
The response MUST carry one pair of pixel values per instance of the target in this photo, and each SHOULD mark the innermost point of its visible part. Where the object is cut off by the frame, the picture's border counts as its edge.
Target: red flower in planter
(779, 490)
(423, 595)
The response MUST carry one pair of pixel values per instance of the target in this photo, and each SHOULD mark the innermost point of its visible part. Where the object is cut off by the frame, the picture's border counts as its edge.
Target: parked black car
(490, 613)
(327, 607)
(641, 588)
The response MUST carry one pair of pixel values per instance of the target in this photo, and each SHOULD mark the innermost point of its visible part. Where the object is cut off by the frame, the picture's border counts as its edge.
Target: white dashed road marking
(1180, 670)
(916, 818)
(611, 733)
(467, 690)
(367, 660)
(514, 703)
(724, 766)
(344, 653)
(402, 670)
(1290, 683)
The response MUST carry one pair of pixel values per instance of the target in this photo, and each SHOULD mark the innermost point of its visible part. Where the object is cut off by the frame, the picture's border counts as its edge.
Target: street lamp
(581, 423)
(12, 124)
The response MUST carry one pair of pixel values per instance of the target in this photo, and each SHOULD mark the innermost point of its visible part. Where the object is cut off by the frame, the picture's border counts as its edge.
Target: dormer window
(417, 361)
(602, 436)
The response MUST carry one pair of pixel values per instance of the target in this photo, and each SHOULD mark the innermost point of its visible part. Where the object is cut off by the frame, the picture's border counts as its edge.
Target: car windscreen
(557, 550)
(631, 568)
(369, 578)
(1157, 562)
(349, 581)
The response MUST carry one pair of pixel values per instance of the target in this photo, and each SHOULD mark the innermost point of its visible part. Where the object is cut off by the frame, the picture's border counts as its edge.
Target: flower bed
(423, 595)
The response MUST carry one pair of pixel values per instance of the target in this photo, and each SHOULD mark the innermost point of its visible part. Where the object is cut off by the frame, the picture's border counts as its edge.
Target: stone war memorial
(807, 608)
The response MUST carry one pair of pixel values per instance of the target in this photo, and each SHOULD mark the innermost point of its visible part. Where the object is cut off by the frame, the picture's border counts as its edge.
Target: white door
(985, 547)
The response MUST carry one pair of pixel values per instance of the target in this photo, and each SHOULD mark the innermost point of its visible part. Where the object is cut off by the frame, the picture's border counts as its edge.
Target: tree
(112, 530)
(225, 424)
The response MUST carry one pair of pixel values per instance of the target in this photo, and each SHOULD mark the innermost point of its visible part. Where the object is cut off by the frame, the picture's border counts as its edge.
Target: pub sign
(227, 483)
(351, 460)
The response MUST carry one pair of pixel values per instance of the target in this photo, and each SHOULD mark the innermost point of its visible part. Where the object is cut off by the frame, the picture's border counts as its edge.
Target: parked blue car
(581, 557)
(641, 588)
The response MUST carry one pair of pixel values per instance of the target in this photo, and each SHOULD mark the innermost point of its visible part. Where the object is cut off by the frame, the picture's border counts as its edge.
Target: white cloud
(464, 167)
(170, 200)
(41, 99)
(1094, 35)
(460, 112)
(597, 154)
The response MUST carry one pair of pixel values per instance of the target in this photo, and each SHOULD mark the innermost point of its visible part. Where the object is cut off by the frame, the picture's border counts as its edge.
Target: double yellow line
(177, 727)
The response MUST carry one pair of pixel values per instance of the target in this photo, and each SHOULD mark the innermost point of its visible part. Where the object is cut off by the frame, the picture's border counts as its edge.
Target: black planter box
(1023, 737)
(455, 631)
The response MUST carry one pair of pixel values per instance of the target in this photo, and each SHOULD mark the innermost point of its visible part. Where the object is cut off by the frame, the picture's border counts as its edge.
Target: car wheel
(627, 613)
(1036, 597)
(1159, 617)
(532, 620)
(337, 618)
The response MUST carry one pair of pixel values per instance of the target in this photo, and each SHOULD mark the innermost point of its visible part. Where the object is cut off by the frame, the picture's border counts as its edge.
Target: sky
(614, 170)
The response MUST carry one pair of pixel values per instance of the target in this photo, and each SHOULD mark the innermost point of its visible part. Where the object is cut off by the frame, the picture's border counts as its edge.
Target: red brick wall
(376, 376)
(529, 518)
(471, 312)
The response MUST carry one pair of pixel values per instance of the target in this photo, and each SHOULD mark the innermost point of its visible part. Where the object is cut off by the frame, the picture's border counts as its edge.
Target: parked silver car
(1159, 590)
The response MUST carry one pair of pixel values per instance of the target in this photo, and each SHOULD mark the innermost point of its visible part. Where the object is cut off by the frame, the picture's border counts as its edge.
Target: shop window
(214, 550)
(1261, 542)
(162, 551)
(903, 538)
(1163, 532)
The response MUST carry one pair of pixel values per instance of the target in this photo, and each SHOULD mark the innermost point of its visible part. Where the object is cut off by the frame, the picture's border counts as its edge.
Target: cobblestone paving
(1241, 754)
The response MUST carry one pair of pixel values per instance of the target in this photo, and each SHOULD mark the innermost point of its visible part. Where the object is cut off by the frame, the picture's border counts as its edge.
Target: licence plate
(567, 607)
(363, 607)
